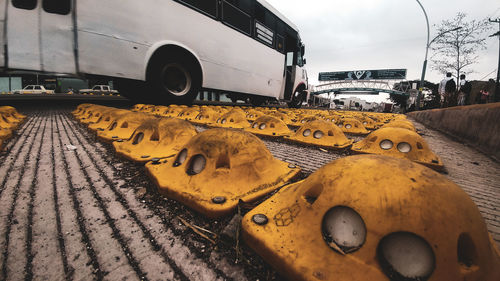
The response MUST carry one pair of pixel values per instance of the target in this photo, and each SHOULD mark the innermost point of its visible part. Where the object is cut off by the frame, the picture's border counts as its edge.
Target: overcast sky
(380, 34)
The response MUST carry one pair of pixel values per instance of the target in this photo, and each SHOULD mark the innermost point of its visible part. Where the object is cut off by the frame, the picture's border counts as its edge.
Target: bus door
(40, 36)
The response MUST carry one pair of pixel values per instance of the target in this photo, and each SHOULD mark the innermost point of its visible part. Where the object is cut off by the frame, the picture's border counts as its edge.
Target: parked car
(99, 90)
(34, 89)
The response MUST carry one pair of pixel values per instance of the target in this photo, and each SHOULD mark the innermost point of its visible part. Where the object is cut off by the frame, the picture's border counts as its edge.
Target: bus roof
(278, 14)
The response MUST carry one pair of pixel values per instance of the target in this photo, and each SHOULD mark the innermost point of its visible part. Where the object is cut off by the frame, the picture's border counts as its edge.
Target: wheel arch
(300, 87)
(172, 49)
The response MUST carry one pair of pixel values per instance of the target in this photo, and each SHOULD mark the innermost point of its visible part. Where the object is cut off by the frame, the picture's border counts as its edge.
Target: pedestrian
(464, 92)
(484, 96)
(447, 89)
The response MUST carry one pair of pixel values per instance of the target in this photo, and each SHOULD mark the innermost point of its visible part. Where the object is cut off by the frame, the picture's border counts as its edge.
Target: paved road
(71, 210)
(476, 173)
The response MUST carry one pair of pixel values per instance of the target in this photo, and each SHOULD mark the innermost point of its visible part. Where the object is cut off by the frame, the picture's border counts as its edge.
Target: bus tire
(297, 99)
(174, 79)
(132, 89)
(257, 100)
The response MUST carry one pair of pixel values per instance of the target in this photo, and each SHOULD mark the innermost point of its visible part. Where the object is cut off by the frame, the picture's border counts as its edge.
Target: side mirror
(305, 61)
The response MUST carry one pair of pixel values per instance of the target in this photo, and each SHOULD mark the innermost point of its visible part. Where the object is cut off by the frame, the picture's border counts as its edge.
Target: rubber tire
(297, 100)
(132, 89)
(257, 100)
(234, 99)
(161, 95)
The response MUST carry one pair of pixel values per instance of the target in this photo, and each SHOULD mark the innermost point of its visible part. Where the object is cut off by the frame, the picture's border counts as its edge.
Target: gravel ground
(72, 210)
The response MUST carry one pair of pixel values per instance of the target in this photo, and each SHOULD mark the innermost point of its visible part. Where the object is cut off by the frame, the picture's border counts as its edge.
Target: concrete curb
(478, 125)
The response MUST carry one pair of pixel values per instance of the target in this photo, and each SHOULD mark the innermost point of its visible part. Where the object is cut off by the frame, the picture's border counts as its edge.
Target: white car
(34, 89)
(99, 90)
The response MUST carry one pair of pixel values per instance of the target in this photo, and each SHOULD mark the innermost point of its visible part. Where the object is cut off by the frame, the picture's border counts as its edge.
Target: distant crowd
(451, 95)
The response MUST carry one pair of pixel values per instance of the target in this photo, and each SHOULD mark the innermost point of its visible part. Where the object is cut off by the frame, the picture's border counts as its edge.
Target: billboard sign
(383, 74)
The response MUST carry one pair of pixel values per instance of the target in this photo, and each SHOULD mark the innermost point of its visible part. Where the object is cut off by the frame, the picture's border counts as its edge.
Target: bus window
(24, 4)
(236, 18)
(281, 44)
(207, 6)
(265, 26)
(299, 59)
(61, 7)
(265, 17)
(244, 5)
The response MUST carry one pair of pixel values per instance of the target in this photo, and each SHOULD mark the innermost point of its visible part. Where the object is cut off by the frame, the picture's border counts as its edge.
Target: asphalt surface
(72, 210)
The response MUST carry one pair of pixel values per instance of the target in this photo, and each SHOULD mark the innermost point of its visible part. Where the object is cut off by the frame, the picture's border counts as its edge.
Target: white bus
(159, 50)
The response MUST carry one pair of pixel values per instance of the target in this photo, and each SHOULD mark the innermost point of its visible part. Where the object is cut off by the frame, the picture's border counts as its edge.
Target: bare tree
(457, 50)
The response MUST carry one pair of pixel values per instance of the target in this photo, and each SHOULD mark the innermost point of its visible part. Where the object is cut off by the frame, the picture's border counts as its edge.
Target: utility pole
(424, 68)
(497, 84)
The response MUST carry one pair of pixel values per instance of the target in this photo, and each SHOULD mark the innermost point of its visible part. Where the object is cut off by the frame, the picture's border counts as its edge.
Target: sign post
(383, 74)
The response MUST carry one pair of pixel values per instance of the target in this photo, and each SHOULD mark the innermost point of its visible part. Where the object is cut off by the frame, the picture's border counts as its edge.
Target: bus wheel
(175, 80)
(132, 89)
(233, 97)
(297, 99)
(257, 100)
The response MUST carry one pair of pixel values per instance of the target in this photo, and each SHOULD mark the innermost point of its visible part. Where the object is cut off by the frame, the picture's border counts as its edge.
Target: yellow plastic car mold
(400, 143)
(235, 119)
(159, 110)
(89, 112)
(156, 139)
(12, 110)
(269, 126)
(352, 126)
(322, 134)
(94, 115)
(376, 117)
(373, 218)
(331, 118)
(144, 108)
(11, 117)
(405, 124)
(206, 116)
(307, 118)
(253, 114)
(368, 123)
(123, 127)
(137, 107)
(219, 167)
(282, 116)
(189, 114)
(107, 118)
(5, 133)
(8, 122)
(173, 111)
(80, 108)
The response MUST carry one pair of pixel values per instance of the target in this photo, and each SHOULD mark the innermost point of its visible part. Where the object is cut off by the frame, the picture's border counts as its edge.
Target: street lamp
(417, 106)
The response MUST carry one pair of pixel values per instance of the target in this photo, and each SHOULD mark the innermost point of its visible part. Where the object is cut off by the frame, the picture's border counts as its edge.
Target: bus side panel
(2, 33)
(231, 60)
(252, 67)
(23, 38)
(114, 41)
(57, 43)
(110, 39)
